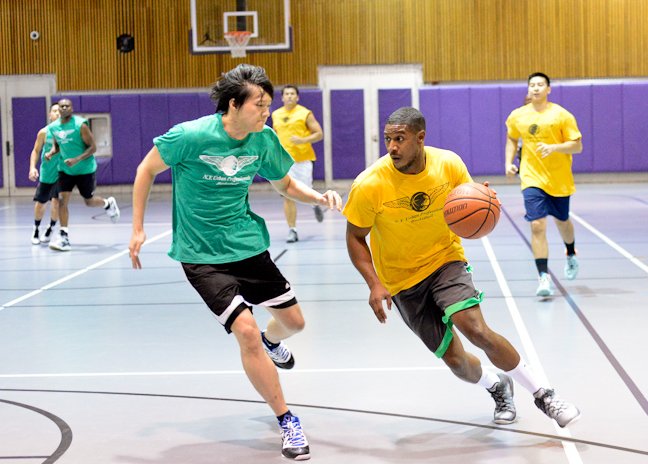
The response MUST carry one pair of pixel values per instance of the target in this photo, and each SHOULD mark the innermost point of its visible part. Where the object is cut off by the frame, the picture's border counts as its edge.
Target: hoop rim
(237, 33)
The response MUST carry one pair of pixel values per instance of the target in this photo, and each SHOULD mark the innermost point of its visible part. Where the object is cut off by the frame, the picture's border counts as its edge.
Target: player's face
(253, 114)
(289, 97)
(54, 113)
(65, 109)
(405, 147)
(538, 89)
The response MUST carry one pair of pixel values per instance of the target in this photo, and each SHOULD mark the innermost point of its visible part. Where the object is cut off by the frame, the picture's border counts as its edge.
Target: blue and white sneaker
(279, 353)
(571, 267)
(545, 287)
(295, 445)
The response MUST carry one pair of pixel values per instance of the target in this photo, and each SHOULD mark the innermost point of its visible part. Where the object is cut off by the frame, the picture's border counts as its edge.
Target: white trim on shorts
(289, 295)
(303, 172)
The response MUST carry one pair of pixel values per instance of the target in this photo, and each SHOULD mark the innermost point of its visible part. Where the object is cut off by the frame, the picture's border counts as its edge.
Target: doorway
(12, 89)
(360, 98)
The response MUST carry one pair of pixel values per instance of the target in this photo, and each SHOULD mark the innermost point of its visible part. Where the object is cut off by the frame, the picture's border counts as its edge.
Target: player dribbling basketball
(416, 261)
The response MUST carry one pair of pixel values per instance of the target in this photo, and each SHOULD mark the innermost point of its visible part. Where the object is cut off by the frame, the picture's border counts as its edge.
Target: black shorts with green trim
(428, 306)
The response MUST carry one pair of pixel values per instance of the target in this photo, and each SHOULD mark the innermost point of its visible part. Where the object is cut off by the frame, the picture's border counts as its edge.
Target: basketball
(471, 210)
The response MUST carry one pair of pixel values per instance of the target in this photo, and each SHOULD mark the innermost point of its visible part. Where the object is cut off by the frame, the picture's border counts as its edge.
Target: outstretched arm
(148, 169)
(295, 190)
(361, 258)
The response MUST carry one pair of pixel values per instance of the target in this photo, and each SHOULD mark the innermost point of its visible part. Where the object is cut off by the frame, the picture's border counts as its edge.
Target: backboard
(267, 20)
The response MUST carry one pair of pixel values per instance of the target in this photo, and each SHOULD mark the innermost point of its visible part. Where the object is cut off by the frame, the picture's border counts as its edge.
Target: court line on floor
(351, 370)
(573, 456)
(499, 428)
(616, 364)
(78, 273)
(626, 254)
(64, 429)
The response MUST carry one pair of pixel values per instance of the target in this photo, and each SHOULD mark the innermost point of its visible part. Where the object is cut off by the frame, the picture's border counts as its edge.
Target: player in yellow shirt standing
(297, 129)
(549, 136)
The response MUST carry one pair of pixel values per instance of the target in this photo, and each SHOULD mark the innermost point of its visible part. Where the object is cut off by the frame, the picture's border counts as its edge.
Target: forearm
(141, 190)
(570, 147)
(361, 258)
(33, 160)
(510, 150)
(298, 191)
(87, 153)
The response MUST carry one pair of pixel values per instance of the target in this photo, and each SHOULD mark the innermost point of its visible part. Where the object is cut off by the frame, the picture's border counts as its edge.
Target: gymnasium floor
(100, 363)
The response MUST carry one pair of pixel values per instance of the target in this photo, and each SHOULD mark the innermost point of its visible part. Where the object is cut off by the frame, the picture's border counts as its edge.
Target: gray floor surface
(101, 363)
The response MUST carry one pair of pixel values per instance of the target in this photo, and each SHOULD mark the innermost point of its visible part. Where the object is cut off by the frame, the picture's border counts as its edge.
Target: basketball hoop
(237, 41)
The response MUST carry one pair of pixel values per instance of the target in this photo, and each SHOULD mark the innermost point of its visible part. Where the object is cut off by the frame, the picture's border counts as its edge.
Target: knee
(88, 201)
(538, 227)
(295, 324)
(480, 336)
(247, 333)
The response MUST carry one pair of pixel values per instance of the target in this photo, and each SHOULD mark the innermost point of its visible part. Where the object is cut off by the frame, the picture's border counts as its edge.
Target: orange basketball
(471, 210)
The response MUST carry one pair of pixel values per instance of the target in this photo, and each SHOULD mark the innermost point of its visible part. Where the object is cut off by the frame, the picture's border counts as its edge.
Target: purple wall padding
(607, 128)
(29, 116)
(2, 153)
(389, 100)
(127, 138)
(347, 132)
(154, 121)
(183, 107)
(207, 106)
(312, 99)
(486, 141)
(635, 109)
(429, 105)
(577, 99)
(455, 121)
(94, 104)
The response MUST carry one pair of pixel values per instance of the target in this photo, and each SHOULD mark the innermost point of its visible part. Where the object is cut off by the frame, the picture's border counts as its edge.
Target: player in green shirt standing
(220, 242)
(73, 141)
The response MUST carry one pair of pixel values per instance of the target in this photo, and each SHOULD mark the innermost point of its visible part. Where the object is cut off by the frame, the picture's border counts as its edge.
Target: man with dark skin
(415, 261)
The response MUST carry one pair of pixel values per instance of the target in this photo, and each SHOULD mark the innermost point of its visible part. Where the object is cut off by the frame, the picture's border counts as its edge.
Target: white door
(10, 87)
(370, 79)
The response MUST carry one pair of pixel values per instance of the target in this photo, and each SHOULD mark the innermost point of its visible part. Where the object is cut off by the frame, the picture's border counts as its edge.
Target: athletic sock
(542, 264)
(488, 379)
(37, 223)
(571, 248)
(523, 375)
(281, 418)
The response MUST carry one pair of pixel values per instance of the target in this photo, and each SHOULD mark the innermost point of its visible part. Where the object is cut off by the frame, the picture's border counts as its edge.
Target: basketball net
(237, 41)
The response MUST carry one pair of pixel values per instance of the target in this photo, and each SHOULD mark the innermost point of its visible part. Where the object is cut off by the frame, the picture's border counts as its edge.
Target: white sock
(523, 375)
(106, 203)
(488, 379)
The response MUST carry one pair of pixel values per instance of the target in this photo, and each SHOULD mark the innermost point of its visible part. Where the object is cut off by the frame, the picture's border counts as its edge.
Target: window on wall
(101, 127)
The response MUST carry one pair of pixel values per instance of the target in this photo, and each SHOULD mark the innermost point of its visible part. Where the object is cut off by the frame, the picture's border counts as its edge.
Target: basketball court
(105, 364)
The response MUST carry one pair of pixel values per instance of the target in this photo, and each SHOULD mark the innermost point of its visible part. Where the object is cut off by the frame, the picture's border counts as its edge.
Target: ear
(232, 104)
(421, 136)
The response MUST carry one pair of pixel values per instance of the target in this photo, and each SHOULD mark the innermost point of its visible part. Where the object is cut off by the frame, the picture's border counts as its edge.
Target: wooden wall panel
(456, 40)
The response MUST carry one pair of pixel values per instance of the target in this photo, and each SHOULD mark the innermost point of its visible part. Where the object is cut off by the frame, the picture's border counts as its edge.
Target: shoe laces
(292, 433)
(552, 405)
(280, 353)
(503, 401)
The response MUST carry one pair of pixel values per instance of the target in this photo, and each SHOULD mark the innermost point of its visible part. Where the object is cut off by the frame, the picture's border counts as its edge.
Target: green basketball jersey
(48, 169)
(212, 219)
(71, 144)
